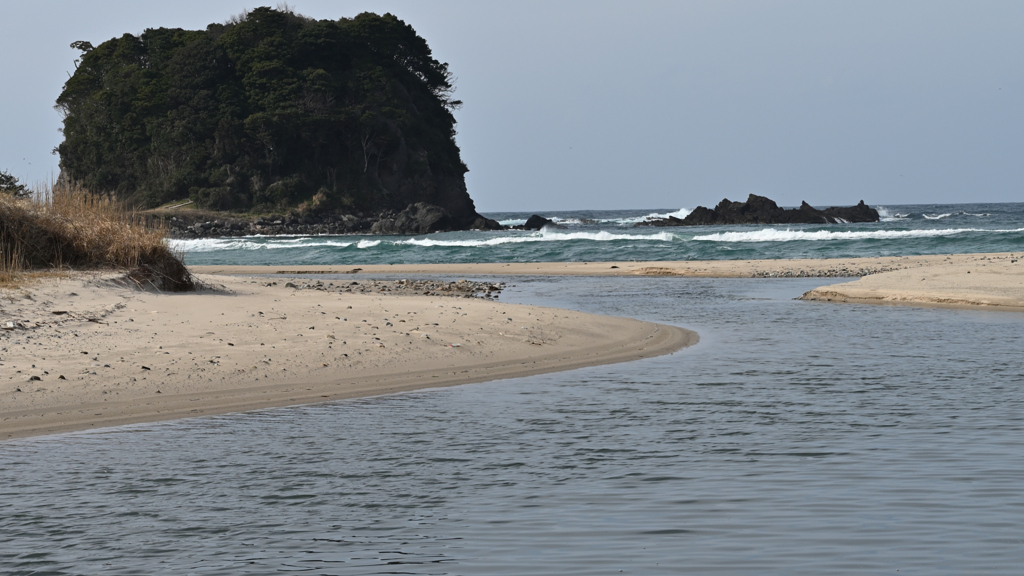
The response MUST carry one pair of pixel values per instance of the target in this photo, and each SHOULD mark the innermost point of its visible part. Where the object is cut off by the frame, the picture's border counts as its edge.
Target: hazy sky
(599, 105)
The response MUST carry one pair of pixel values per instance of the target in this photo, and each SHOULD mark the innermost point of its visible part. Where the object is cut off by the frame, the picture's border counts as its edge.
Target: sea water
(597, 236)
(796, 438)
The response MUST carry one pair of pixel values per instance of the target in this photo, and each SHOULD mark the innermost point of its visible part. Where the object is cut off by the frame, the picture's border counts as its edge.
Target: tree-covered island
(345, 121)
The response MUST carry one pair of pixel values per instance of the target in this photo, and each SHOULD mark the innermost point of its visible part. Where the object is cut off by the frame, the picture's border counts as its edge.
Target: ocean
(610, 235)
(797, 438)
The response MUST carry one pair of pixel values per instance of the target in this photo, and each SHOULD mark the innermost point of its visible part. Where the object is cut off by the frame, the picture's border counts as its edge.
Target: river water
(796, 438)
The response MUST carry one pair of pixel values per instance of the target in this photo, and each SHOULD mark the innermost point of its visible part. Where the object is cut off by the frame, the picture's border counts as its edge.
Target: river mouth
(795, 438)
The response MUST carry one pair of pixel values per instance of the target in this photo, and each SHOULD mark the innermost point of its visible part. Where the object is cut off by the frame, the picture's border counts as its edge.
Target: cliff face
(270, 112)
(761, 210)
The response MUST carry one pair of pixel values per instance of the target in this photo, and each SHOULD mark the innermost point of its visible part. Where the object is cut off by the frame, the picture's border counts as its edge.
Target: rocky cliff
(272, 112)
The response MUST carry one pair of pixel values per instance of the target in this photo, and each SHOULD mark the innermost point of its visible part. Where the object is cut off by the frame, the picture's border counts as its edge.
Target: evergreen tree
(10, 185)
(264, 112)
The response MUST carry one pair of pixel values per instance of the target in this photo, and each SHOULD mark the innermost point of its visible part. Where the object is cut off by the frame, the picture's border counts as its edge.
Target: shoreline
(938, 280)
(87, 352)
(782, 268)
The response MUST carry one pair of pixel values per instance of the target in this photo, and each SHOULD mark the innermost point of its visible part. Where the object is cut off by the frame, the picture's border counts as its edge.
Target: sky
(614, 105)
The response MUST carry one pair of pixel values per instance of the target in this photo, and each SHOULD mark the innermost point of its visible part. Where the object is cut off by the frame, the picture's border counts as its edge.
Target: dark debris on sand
(460, 289)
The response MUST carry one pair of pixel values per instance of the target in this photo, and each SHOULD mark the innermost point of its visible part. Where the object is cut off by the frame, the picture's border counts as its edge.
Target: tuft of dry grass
(65, 227)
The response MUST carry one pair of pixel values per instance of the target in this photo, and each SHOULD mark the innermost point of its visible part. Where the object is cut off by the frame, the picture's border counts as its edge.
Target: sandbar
(985, 280)
(89, 351)
(977, 281)
(794, 268)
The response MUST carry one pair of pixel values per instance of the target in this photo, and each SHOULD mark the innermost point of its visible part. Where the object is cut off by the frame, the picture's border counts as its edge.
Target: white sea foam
(681, 213)
(937, 216)
(886, 216)
(519, 222)
(545, 235)
(775, 235)
(278, 242)
(248, 243)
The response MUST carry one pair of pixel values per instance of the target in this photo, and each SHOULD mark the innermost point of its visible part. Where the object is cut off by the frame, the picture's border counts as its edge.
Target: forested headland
(270, 112)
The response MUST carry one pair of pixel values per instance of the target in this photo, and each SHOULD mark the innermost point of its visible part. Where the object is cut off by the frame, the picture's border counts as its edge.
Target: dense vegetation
(10, 185)
(269, 110)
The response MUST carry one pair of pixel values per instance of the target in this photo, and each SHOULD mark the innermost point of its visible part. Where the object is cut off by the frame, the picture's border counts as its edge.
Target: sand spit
(806, 268)
(990, 281)
(89, 352)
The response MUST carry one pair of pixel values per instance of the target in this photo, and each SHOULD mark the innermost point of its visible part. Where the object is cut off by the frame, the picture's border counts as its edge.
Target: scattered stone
(460, 289)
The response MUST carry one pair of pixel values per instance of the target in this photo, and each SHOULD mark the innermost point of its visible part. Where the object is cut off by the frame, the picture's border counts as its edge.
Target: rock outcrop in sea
(535, 222)
(761, 210)
(418, 218)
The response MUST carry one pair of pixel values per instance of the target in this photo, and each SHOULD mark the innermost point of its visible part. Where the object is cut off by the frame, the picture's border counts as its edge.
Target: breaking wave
(258, 243)
(681, 213)
(545, 235)
(886, 216)
(773, 235)
(278, 242)
(625, 221)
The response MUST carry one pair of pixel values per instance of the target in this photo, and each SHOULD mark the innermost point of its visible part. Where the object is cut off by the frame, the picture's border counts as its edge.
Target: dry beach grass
(64, 227)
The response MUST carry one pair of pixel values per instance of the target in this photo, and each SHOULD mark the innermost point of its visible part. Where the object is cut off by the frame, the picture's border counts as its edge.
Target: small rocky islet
(762, 210)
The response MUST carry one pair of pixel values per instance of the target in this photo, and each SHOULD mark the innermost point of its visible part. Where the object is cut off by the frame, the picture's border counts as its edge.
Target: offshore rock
(423, 218)
(535, 222)
(669, 221)
(761, 210)
(418, 218)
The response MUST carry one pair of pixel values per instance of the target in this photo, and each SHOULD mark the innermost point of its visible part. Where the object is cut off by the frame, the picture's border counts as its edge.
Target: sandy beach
(89, 352)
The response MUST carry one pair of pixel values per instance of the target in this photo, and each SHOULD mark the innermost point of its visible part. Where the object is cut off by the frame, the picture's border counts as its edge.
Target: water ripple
(797, 438)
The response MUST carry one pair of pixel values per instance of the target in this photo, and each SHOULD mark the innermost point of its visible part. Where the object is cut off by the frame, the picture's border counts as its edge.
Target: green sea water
(611, 235)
